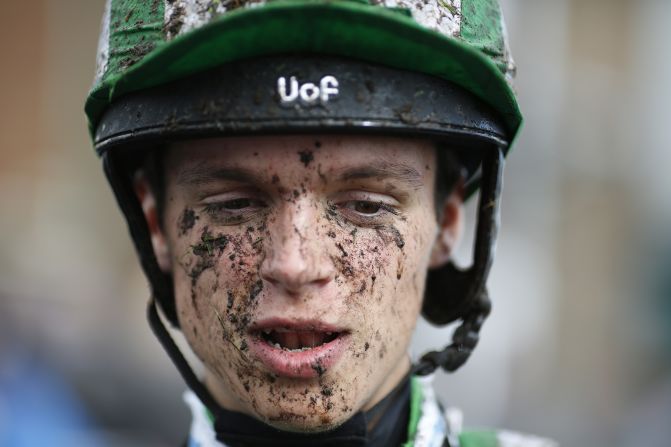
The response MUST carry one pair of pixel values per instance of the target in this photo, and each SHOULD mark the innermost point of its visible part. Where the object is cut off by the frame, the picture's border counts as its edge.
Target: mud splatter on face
(343, 252)
(398, 237)
(389, 233)
(310, 248)
(186, 221)
(256, 289)
(306, 156)
(206, 253)
(210, 244)
(319, 369)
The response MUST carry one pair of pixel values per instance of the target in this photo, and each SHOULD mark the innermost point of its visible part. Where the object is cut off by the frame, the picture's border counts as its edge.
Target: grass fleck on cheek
(209, 243)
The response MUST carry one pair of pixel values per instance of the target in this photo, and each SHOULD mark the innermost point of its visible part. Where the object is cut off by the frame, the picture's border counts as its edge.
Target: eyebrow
(203, 173)
(381, 171)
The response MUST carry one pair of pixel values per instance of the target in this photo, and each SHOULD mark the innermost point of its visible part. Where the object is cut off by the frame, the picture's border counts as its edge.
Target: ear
(450, 227)
(147, 200)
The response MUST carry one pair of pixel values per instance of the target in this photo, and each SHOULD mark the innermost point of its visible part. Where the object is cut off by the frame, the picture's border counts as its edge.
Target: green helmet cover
(149, 43)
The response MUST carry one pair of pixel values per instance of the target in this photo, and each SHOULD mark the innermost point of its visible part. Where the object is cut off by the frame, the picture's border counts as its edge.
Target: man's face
(299, 265)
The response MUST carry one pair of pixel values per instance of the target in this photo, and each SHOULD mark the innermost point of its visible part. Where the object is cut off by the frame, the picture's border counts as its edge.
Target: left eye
(364, 207)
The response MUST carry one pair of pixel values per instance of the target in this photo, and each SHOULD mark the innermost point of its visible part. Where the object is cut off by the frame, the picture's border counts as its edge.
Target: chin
(306, 420)
(306, 406)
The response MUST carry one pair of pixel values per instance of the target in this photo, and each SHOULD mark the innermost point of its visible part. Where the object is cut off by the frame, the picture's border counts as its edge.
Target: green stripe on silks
(136, 27)
(481, 27)
(480, 438)
(416, 397)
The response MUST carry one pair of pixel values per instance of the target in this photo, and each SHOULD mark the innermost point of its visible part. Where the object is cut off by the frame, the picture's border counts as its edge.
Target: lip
(305, 364)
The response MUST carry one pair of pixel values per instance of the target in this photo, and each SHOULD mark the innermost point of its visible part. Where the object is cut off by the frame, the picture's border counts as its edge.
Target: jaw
(289, 404)
(310, 404)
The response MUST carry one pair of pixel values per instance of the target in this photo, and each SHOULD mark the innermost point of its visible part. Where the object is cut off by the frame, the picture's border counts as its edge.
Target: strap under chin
(178, 359)
(454, 294)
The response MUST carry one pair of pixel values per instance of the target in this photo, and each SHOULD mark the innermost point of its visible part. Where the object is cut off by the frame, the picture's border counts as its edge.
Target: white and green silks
(428, 426)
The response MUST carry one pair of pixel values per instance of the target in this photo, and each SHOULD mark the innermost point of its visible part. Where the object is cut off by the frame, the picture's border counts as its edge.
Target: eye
(237, 204)
(235, 209)
(365, 210)
(364, 207)
(242, 204)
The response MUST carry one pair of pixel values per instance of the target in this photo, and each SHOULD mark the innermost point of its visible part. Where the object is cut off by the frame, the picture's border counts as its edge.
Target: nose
(296, 260)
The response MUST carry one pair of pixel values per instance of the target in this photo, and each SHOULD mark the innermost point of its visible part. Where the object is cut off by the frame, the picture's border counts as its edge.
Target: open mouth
(299, 350)
(293, 340)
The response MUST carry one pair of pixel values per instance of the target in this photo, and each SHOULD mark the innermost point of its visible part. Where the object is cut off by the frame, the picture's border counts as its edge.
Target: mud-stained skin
(341, 233)
(186, 221)
(306, 156)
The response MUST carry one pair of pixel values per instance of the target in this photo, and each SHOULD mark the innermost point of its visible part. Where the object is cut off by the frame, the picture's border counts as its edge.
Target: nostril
(322, 281)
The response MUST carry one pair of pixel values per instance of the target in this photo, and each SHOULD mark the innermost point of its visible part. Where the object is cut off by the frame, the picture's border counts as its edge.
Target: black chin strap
(178, 359)
(464, 340)
(454, 294)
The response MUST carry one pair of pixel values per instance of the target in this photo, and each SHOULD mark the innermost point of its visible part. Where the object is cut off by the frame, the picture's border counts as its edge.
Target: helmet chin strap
(462, 294)
(178, 359)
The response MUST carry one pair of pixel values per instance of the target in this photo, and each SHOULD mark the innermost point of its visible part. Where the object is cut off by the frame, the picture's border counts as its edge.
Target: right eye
(234, 210)
(236, 204)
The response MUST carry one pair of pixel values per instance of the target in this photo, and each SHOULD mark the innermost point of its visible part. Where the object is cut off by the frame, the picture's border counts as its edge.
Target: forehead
(323, 153)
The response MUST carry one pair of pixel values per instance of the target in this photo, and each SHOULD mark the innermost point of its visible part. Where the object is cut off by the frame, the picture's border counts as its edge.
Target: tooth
(290, 340)
(311, 339)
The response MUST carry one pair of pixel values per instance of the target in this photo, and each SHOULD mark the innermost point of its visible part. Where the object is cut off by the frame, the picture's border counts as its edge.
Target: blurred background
(579, 344)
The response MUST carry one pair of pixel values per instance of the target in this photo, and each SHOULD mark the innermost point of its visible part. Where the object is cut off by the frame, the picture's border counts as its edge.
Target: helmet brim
(243, 98)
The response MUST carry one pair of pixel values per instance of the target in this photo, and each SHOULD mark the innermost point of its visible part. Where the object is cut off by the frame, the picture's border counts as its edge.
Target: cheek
(383, 270)
(216, 284)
